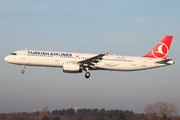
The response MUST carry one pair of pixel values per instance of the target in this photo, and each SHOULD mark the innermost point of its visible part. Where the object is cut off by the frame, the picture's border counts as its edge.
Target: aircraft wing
(93, 60)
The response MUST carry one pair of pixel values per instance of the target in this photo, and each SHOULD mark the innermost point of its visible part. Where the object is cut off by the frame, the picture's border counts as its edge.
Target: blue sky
(121, 27)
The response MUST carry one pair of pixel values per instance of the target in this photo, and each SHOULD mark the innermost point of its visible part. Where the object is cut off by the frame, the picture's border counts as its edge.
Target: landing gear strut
(22, 71)
(87, 75)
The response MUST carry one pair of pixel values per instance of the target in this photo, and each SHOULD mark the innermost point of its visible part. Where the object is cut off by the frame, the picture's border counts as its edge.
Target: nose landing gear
(23, 71)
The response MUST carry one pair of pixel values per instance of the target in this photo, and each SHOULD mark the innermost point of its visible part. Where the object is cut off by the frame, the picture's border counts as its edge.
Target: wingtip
(106, 53)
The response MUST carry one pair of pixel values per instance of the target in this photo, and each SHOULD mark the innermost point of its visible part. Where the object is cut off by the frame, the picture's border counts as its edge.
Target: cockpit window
(13, 54)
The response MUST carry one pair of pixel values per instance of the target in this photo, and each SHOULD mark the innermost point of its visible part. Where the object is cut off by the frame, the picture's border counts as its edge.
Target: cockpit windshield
(13, 54)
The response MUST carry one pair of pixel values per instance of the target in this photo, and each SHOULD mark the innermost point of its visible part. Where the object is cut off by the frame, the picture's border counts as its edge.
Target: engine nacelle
(71, 68)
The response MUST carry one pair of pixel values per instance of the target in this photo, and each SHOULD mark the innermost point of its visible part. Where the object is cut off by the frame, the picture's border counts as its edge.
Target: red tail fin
(161, 49)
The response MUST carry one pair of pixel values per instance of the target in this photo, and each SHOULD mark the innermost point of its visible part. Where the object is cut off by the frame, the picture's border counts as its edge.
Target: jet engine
(71, 68)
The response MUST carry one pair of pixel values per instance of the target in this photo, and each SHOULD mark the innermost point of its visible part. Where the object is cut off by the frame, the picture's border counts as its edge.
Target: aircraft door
(143, 62)
(57, 58)
(23, 55)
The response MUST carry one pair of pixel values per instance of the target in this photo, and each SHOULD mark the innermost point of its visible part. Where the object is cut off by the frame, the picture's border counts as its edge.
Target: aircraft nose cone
(6, 59)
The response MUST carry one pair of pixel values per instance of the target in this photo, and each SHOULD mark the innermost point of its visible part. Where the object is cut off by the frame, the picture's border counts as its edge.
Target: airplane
(77, 62)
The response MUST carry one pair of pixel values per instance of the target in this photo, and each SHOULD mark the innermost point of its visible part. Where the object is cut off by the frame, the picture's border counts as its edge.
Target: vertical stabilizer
(161, 49)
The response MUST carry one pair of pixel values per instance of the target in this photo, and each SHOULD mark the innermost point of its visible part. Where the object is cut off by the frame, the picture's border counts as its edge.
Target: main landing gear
(22, 71)
(87, 75)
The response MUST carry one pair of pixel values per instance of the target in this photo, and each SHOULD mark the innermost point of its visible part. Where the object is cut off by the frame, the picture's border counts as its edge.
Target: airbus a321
(77, 62)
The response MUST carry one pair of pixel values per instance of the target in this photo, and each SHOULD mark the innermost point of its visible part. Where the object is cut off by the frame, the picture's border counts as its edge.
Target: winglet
(106, 53)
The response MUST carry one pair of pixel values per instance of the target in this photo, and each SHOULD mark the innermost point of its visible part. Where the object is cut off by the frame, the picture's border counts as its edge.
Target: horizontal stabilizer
(164, 61)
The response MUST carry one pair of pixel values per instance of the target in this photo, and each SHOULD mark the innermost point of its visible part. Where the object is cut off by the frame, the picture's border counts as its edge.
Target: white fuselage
(56, 59)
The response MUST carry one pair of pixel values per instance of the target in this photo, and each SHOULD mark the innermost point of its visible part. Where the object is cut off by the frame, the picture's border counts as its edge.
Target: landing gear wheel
(87, 75)
(22, 71)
